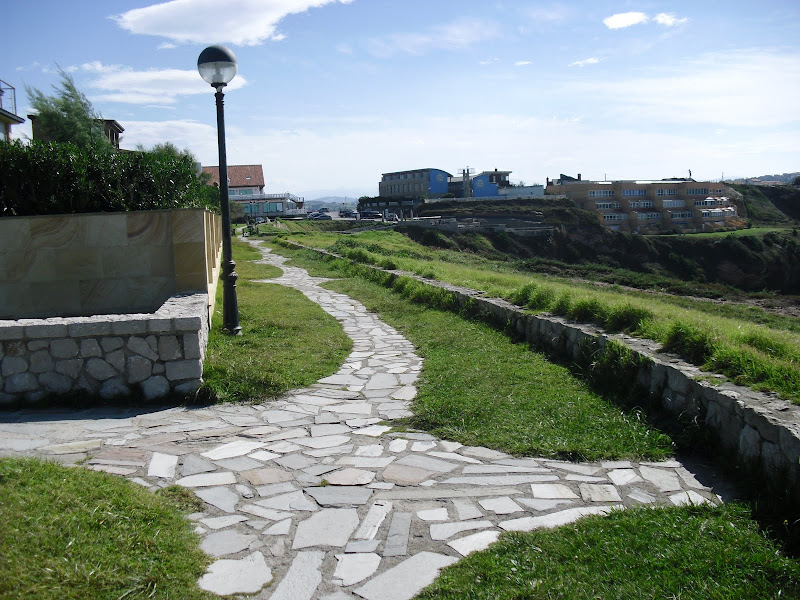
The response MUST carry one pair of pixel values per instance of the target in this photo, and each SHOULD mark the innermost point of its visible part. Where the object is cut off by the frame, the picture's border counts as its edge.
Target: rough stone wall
(759, 431)
(106, 356)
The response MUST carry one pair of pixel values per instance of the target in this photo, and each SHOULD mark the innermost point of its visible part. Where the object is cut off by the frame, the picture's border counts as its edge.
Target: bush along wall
(52, 178)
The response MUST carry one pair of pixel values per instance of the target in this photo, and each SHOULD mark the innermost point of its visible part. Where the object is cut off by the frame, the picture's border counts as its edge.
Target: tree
(68, 116)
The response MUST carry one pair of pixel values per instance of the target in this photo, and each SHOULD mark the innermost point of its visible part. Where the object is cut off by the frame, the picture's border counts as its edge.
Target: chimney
(579, 176)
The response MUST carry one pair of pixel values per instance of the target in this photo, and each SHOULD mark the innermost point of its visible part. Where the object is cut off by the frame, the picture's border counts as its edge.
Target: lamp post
(217, 66)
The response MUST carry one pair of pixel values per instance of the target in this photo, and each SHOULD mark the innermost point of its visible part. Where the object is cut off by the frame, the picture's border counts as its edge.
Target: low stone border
(760, 432)
(106, 355)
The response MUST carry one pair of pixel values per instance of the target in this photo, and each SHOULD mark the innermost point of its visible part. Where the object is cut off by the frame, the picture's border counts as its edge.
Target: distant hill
(331, 201)
(768, 205)
(783, 178)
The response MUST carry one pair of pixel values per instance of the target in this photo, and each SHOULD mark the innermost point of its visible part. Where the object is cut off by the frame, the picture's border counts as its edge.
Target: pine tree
(68, 116)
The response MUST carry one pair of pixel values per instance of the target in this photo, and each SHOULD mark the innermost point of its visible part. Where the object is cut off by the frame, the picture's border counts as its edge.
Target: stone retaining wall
(107, 355)
(759, 431)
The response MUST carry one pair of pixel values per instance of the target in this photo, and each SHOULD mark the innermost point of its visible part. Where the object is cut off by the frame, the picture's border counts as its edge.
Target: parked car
(320, 217)
(346, 214)
(312, 215)
(324, 209)
(392, 217)
(371, 214)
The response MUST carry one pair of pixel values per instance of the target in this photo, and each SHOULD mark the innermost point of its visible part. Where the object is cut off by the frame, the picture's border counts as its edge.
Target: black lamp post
(217, 66)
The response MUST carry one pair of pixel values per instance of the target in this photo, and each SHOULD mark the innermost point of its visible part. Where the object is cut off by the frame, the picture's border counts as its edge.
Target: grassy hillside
(768, 205)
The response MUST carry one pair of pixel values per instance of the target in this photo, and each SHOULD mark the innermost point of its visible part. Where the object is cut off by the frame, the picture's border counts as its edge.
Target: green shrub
(47, 179)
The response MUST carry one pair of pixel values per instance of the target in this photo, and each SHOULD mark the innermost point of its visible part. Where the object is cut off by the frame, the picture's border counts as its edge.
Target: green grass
(244, 255)
(688, 553)
(287, 341)
(479, 388)
(769, 365)
(71, 533)
(752, 232)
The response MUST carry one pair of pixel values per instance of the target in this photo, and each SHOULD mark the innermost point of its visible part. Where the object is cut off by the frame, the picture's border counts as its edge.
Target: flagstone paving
(312, 497)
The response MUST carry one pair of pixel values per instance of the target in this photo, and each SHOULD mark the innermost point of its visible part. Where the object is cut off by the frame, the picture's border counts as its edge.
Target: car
(371, 214)
(324, 209)
(346, 214)
(259, 220)
(320, 217)
(312, 215)
(392, 217)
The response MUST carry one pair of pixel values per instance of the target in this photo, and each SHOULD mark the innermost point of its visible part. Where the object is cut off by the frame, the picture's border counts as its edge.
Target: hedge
(56, 178)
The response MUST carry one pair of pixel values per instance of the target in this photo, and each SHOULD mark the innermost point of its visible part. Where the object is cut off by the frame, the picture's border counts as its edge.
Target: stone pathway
(311, 497)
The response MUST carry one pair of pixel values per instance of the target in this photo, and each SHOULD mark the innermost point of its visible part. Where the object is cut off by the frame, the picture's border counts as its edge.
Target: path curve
(310, 497)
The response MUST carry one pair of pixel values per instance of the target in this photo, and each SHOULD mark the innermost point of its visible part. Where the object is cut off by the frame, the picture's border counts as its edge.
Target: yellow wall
(104, 263)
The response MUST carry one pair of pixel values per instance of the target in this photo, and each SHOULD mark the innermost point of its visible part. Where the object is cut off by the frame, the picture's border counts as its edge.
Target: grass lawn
(736, 344)
(287, 341)
(688, 553)
(479, 388)
(71, 533)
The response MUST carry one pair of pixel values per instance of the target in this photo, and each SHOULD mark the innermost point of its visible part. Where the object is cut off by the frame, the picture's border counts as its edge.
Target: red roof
(239, 175)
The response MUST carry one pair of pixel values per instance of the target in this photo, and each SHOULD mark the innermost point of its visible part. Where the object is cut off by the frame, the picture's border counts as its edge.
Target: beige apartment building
(650, 206)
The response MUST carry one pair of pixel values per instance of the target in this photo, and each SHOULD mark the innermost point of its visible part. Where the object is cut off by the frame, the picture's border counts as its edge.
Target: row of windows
(706, 202)
(702, 191)
(648, 216)
(237, 192)
(607, 205)
(601, 193)
(713, 213)
(634, 192)
(404, 188)
(615, 217)
(262, 207)
(682, 215)
(643, 204)
(399, 176)
(674, 203)
(666, 192)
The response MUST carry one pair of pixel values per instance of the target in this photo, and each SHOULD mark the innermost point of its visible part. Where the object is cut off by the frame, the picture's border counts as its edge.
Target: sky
(330, 94)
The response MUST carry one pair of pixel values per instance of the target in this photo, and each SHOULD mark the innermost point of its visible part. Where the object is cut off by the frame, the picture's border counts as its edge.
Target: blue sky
(332, 93)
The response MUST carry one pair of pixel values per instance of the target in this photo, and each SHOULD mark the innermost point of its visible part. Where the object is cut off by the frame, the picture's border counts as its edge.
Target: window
(681, 215)
(615, 217)
(697, 191)
(602, 205)
(674, 203)
(634, 193)
(601, 193)
(666, 192)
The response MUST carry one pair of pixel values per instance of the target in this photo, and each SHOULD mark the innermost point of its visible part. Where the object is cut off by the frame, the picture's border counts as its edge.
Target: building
(246, 187)
(111, 129)
(418, 183)
(645, 206)
(8, 110)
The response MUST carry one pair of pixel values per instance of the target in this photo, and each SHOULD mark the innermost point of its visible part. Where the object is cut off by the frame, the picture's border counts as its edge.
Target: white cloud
(162, 87)
(451, 36)
(669, 20)
(622, 20)
(549, 14)
(167, 46)
(344, 48)
(522, 63)
(743, 88)
(586, 61)
(241, 22)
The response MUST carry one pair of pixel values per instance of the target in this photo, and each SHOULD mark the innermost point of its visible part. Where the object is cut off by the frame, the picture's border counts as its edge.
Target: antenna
(466, 186)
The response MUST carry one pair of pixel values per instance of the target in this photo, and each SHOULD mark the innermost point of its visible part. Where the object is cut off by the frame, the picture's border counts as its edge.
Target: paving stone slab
(397, 536)
(295, 500)
(265, 476)
(207, 480)
(302, 579)
(474, 543)
(443, 531)
(245, 576)
(221, 497)
(328, 527)
(552, 520)
(350, 477)
(340, 495)
(226, 542)
(403, 581)
(354, 568)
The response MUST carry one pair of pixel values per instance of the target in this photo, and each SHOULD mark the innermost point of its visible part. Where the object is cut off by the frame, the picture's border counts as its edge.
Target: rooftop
(239, 175)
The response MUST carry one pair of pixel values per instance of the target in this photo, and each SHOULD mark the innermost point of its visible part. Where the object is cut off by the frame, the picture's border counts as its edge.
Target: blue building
(419, 183)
